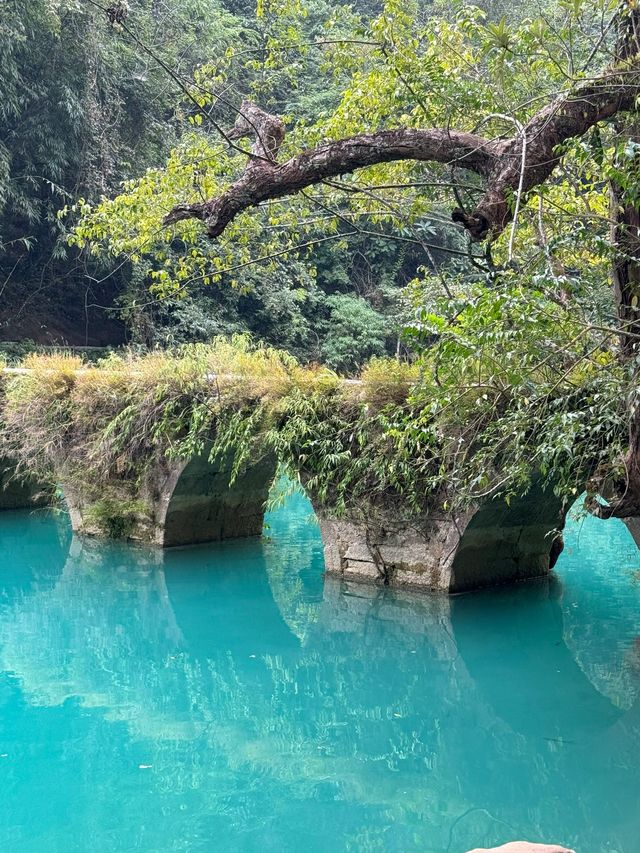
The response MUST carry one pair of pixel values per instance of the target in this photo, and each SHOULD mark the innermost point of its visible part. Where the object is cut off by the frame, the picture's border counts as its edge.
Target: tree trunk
(623, 495)
(625, 211)
(625, 239)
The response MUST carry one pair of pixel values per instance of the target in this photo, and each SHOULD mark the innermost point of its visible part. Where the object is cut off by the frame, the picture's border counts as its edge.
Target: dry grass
(387, 381)
(122, 413)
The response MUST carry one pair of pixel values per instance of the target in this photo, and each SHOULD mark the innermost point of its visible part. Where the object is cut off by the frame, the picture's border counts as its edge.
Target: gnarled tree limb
(499, 162)
(262, 180)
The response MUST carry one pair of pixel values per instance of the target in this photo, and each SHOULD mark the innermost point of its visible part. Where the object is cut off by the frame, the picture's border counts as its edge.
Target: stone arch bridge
(195, 501)
(189, 501)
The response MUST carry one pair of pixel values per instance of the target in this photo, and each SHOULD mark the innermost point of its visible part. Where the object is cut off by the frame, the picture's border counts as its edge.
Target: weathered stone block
(495, 542)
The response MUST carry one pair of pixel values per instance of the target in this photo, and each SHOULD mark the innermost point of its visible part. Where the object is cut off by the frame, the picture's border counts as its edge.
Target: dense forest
(86, 106)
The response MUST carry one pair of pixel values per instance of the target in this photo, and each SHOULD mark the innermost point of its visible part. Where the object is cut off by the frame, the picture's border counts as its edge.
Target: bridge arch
(20, 492)
(200, 503)
(507, 542)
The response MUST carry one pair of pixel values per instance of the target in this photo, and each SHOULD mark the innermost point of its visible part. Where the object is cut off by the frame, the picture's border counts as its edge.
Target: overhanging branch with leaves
(508, 172)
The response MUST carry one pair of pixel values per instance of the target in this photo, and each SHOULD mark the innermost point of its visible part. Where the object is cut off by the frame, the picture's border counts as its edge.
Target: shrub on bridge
(93, 425)
(117, 417)
(350, 442)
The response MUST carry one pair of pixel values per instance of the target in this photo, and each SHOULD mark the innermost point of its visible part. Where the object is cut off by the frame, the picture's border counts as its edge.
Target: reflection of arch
(527, 622)
(72, 637)
(293, 556)
(139, 634)
(206, 694)
(238, 570)
(506, 542)
(559, 733)
(598, 568)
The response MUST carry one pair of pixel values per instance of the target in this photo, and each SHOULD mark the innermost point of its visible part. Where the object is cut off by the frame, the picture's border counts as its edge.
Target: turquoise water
(227, 699)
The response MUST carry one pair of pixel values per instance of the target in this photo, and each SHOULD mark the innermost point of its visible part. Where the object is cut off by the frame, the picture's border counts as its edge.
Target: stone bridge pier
(489, 544)
(176, 503)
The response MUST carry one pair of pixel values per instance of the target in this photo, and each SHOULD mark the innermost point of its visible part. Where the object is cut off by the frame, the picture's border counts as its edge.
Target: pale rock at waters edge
(523, 847)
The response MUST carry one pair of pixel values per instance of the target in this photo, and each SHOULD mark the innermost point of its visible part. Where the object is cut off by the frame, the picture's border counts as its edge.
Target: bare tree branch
(262, 181)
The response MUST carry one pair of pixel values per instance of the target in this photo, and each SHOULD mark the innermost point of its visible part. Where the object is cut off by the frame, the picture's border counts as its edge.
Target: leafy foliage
(520, 388)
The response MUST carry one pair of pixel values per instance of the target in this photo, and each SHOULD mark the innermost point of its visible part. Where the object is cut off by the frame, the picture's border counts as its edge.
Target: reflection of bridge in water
(404, 704)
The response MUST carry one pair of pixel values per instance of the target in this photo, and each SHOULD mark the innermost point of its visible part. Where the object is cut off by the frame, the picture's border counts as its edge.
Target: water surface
(227, 698)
